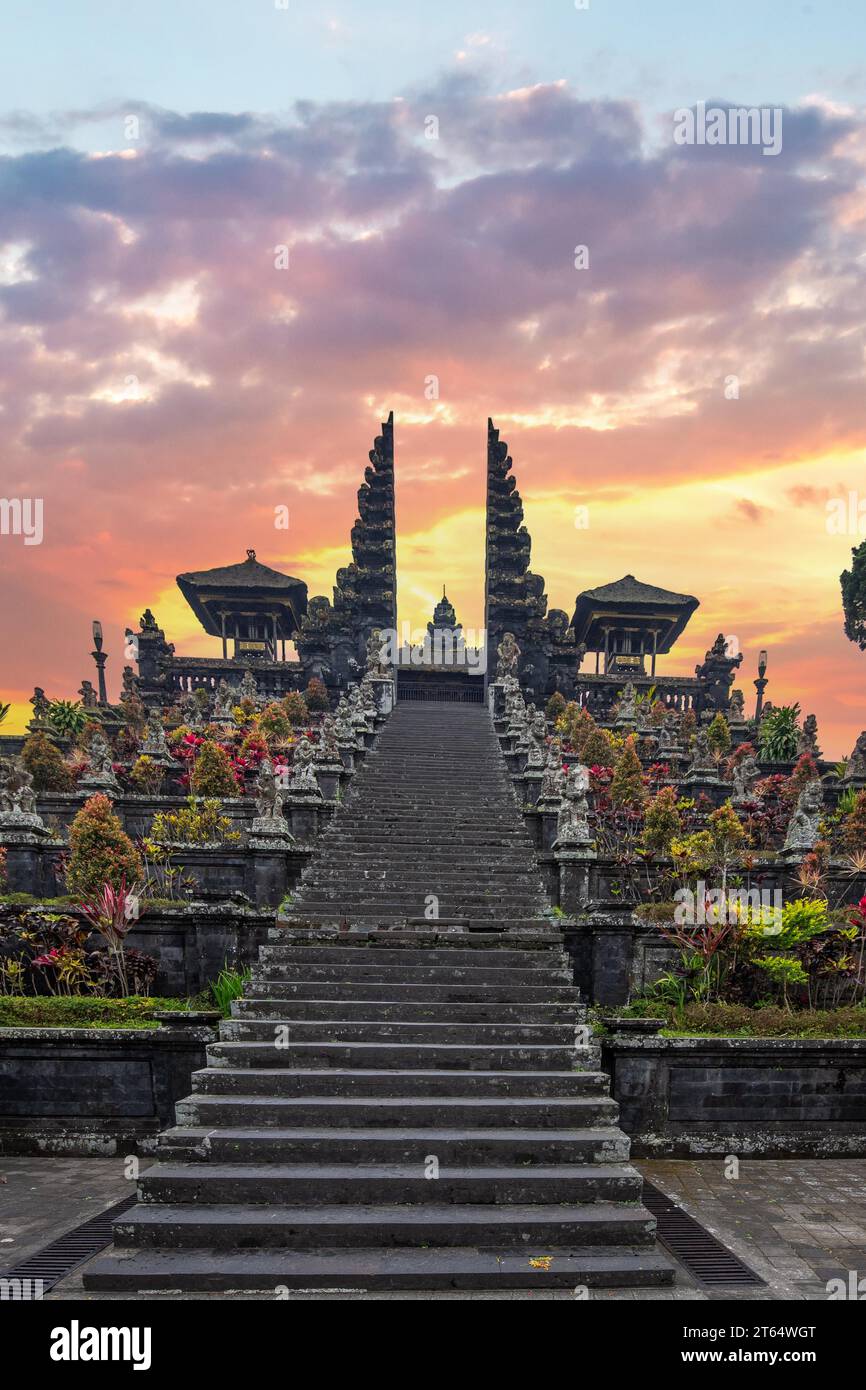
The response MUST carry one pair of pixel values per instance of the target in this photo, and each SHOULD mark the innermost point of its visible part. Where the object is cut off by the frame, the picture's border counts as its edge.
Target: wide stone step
(300, 1228)
(326, 1170)
(378, 1269)
(358, 1082)
(475, 976)
(356, 1010)
(374, 919)
(397, 952)
(379, 1112)
(402, 1056)
(422, 933)
(474, 1034)
(459, 995)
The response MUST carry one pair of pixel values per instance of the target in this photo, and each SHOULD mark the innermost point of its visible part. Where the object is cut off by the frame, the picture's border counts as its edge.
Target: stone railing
(599, 694)
(273, 678)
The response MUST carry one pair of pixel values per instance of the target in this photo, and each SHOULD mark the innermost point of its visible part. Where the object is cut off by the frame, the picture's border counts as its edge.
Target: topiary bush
(46, 765)
(627, 788)
(316, 696)
(100, 850)
(296, 708)
(555, 706)
(213, 774)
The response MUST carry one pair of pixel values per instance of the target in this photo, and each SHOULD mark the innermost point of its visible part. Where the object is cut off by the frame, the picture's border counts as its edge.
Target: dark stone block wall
(773, 1097)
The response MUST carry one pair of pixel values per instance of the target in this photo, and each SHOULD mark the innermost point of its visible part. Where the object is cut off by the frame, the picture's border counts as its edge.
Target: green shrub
(296, 708)
(555, 706)
(101, 851)
(46, 765)
(627, 788)
(228, 985)
(662, 821)
(213, 774)
(316, 696)
(719, 735)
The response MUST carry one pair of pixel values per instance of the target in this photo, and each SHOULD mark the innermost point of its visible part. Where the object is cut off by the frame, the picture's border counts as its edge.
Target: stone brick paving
(797, 1223)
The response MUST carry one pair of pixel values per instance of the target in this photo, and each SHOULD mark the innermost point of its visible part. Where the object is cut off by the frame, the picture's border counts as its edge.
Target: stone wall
(93, 1091)
(767, 1097)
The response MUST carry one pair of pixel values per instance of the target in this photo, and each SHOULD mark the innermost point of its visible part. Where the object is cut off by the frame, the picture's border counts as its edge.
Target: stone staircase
(400, 1101)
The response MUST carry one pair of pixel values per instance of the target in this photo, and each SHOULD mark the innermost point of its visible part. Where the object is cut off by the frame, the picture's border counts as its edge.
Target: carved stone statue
(269, 828)
(553, 781)
(803, 827)
(17, 797)
(89, 698)
(572, 826)
(224, 702)
(507, 657)
(855, 772)
(737, 708)
(626, 715)
(39, 701)
(99, 774)
(716, 674)
(269, 798)
(248, 689)
(807, 741)
(746, 774)
(19, 819)
(375, 665)
(702, 760)
(303, 779)
(327, 749)
(154, 745)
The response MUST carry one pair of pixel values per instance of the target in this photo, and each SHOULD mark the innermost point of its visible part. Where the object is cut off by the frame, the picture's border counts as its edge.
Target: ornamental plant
(719, 736)
(67, 718)
(854, 825)
(727, 835)
(627, 788)
(575, 725)
(662, 821)
(46, 765)
(113, 912)
(213, 774)
(779, 734)
(274, 723)
(597, 749)
(296, 708)
(316, 696)
(100, 850)
(197, 822)
(555, 706)
(147, 776)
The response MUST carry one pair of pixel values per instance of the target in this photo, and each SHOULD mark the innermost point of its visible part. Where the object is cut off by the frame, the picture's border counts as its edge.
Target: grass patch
(742, 1021)
(83, 1011)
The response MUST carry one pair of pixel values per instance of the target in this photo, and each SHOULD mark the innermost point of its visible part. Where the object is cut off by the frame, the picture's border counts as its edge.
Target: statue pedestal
(302, 813)
(575, 865)
(383, 693)
(95, 785)
(329, 776)
(698, 783)
(532, 780)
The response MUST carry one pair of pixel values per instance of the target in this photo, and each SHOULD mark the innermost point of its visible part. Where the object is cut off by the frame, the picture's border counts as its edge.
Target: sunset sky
(164, 387)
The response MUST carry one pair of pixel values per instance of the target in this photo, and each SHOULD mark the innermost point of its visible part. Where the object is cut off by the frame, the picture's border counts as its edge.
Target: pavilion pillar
(223, 626)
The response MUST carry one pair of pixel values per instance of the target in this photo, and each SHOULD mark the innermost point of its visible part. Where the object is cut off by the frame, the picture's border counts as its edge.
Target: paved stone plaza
(795, 1223)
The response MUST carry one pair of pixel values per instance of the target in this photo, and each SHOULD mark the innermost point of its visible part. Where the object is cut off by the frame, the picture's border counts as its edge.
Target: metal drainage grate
(711, 1263)
(47, 1267)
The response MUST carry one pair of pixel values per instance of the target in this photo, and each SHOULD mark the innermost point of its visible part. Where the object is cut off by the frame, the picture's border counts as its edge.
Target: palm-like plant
(67, 718)
(779, 734)
(4, 710)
